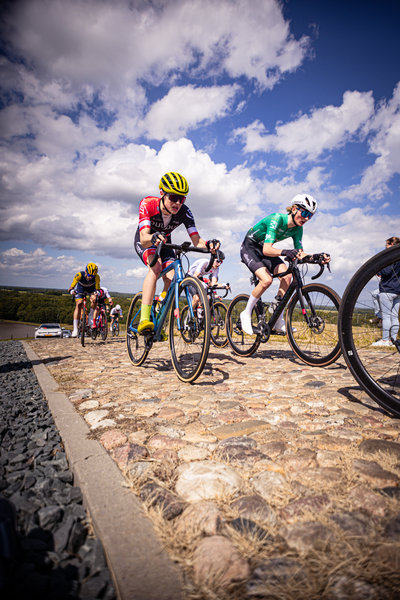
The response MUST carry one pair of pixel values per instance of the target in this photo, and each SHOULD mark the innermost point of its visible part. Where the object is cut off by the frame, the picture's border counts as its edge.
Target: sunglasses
(177, 198)
(88, 275)
(306, 214)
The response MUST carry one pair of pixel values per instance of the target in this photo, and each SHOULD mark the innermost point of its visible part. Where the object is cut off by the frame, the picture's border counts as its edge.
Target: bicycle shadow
(348, 393)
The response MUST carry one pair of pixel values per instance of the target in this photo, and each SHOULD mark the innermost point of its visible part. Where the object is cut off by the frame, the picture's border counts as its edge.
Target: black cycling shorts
(252, 256)
(167, 254)
(80, 290)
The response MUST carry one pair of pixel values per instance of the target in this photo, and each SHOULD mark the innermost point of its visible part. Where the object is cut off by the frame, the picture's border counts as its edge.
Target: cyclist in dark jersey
(158, 217)
(262, 259)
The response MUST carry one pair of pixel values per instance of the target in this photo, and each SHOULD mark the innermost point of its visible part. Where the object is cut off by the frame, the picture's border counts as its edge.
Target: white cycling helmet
(118, 307)
(305, 201)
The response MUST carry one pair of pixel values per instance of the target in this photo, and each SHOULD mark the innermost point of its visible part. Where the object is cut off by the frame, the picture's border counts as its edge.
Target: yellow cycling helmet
(173, 183)
(91, 269)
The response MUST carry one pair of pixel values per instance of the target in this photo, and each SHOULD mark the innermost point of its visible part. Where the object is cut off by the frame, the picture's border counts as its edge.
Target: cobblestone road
(265, 477)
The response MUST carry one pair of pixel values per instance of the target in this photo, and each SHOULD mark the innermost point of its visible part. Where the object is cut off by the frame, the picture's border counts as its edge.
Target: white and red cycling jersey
(150, 216)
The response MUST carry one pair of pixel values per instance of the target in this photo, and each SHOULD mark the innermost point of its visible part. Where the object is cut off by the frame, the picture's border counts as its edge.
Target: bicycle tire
(83, 324)
(317, 344)
(218, 324)
(117, 330)
(377, 370)
(241, 343)
(185, 332)
(189, 352)
(103, 326)
(135, 343)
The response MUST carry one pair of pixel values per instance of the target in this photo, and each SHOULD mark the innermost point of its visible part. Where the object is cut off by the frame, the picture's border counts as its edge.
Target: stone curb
(141, 569)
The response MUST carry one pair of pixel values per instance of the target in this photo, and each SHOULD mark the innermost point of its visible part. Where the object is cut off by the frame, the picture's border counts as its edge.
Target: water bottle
(160, 302)
(274, 304)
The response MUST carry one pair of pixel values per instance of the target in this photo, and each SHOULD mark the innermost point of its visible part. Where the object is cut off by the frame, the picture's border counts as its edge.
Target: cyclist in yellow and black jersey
(85, 282)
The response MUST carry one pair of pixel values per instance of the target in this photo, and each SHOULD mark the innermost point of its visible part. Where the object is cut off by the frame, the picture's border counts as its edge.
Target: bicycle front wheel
(376, 368)
(218, 328)
(103, 327)
(83, 324)
(135, 343)
(316, 343)
(189, 334)
(240, 342)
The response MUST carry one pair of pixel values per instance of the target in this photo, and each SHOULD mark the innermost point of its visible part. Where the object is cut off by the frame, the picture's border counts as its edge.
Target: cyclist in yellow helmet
(158, 217)
(85, 282)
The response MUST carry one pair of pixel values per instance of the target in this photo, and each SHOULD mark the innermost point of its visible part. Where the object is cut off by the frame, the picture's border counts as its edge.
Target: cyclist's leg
(94, 307)
(77, 310)
(261, 267)
(284, 283)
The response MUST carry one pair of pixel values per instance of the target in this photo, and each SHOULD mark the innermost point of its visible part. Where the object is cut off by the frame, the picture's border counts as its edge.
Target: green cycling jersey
(274, 228)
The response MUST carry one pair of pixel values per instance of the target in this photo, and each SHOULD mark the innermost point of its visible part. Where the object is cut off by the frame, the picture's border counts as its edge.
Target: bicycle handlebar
(310, 259)
(211, 288)
(185, 247)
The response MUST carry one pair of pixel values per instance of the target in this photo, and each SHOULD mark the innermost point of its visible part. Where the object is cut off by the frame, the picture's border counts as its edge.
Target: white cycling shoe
(74, 333)
(280, 326)
(245, 320)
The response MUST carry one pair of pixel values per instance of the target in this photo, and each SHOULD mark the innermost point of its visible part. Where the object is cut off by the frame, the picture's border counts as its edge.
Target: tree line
(45, 306)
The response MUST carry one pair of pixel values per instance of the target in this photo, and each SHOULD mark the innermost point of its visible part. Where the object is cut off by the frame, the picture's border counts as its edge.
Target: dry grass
(345, 555)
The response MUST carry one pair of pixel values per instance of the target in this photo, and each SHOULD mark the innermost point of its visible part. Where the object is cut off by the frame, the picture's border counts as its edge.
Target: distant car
(49, 330)
(66, 333)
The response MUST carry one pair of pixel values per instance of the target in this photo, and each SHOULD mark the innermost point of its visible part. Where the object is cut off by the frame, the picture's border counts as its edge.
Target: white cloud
(386, 145)
(187, 107)
(309, 136)
(93, 42)
(95, 208)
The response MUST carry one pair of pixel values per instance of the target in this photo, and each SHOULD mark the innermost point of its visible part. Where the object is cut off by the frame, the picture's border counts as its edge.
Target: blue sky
(253, 102)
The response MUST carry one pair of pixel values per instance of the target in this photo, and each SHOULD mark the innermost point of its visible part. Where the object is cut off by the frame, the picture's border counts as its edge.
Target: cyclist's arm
(145, 237)
(198, 241)
(75, 280)
(214, 280)
(269, 250)
(97, 281)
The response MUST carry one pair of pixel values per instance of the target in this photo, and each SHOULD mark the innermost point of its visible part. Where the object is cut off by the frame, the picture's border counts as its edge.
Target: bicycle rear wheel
(189, 338)
(135, 343)
(218, 327)
(117, 329)
(376, 369)
(316, 344)
(240, 342)
(83, 324)
(103, 326)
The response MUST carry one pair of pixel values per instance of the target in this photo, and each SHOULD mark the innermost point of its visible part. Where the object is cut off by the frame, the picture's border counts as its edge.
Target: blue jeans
(389, 304)
(377, 309)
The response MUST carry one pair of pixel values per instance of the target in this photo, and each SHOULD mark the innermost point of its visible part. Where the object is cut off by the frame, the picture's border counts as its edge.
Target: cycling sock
(250, 304)
(145, 312)
(76, 323)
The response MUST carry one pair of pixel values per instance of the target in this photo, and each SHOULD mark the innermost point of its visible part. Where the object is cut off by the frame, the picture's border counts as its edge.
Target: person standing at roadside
(389, 299)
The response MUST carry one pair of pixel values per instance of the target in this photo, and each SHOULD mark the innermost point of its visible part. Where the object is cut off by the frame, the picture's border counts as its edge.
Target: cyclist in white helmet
(115, 314)
(259, 255)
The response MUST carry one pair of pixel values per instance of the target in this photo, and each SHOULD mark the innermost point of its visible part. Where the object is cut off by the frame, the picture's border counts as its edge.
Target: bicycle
(377, 370)
(101, 322)
(189, 338)
(311, 319)
(115, 328)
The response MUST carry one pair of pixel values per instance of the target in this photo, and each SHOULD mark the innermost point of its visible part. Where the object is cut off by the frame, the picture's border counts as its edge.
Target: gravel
(46, 551)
